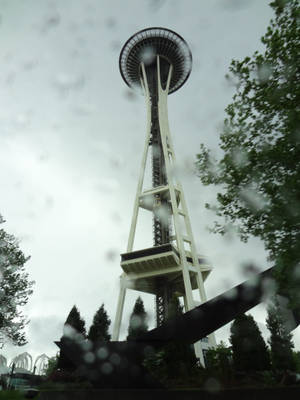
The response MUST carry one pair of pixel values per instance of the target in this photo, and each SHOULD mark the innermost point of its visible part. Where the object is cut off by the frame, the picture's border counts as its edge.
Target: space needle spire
(158, 62)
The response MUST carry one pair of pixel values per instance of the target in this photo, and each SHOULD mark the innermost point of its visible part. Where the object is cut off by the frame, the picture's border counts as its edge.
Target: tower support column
(120, 308)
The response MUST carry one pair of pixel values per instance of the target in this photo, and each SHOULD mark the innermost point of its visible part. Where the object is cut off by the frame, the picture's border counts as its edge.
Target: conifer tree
(249, 349)
(138, 320)
(100, 326)
(74, 329)
(74, 324)
(280, 340)
(174, 307)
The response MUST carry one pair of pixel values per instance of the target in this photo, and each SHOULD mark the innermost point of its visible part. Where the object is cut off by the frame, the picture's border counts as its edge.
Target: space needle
(157, 62)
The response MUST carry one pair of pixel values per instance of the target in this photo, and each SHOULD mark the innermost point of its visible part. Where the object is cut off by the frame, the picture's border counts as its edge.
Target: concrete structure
(159, 62)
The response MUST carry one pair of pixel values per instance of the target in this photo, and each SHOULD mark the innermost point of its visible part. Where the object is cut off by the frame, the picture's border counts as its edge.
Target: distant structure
(159, 61)
(3, 365)
(40, 364)
(22, 362)
(3, 361)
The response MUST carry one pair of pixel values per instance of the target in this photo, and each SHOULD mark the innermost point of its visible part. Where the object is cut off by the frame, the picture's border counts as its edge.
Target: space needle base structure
(159, 61)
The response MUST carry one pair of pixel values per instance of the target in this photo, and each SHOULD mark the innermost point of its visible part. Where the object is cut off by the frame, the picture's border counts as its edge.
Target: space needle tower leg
(120, 308)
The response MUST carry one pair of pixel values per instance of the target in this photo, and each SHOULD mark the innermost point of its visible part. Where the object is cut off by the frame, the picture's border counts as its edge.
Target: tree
(138, 320)
(259, 171)
(15, 289)
(51, 366)
(219, 360)
(280, 341)
(74, 326)
(296, 355)
(249, 350)
(74, 329)
(100, 326)
(176, 359)
(174, 307)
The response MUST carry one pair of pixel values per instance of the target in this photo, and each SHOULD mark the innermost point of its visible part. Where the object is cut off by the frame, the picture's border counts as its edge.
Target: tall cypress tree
(100, 326)
(74, 325)
(249, 349)
(138, 320)
(280, 339)
(74, 329)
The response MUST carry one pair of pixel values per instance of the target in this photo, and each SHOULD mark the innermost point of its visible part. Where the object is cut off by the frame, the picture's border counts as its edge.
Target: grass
(11, 395)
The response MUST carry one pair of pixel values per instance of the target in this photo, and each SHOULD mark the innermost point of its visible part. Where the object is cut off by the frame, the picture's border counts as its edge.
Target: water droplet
(89, 357)
(148, 55)
(107, 368)
(115, 359)
(102, 353)
(212, 385)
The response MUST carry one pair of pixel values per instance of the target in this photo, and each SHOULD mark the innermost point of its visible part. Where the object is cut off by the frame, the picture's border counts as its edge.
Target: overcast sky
(72, 135)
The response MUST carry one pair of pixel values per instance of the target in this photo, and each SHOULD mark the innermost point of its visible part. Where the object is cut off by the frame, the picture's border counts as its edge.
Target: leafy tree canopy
(280, 340)
(249, 349)
(174, 360)
(178, 358)
(219, 358)
(51, 366)
(15, 289)
(259, 171)
(100, 326)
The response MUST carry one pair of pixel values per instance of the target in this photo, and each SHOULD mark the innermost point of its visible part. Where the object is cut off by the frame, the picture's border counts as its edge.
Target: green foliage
(249, 350)
(74, 329)
(65, 383)
(15, 289)
(174, 307)
(280, 339)
(219, 359)
(74, 324)
(11, 395)
(259, 172)
(100, 326)
(138, 320)
(296, 356)
(175, 360)
(51, 366)
(179, 358)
